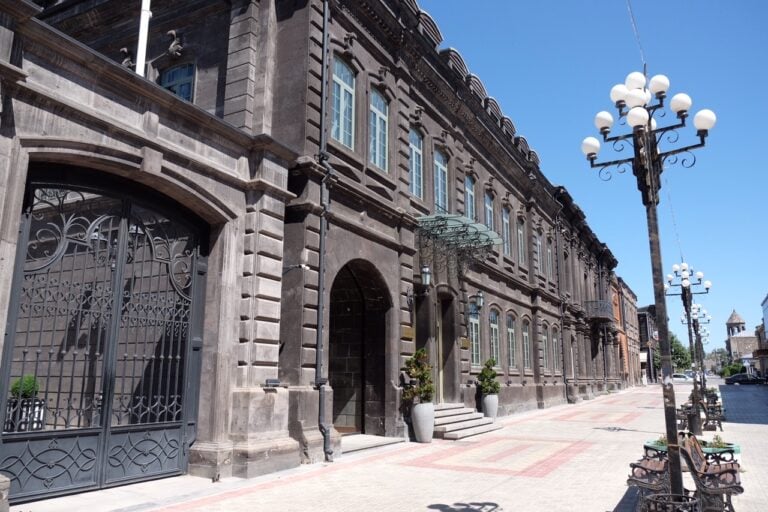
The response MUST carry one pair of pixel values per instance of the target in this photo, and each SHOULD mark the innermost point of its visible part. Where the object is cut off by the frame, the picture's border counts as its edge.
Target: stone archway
(357, 340)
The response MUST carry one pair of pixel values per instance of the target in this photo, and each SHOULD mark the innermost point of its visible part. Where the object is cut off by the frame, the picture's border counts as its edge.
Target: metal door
(101, 359)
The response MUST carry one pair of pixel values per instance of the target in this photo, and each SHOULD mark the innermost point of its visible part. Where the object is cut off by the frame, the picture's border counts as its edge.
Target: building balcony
(599, 310)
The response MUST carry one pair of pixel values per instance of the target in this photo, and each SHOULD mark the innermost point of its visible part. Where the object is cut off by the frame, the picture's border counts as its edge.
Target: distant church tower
(735, 324)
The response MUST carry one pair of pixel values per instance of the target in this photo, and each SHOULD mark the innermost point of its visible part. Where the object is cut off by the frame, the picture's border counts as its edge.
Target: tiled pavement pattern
(566, 458)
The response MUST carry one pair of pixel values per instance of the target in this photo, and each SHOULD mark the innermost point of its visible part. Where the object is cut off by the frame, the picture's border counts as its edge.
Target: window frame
(440, 170)
(511, 342)
(474, 340)
(550, 266)
(469, 198)
(346, 100)
(378, 131)
(494, 338)
(527, 344)
(556, 350)
(163, 73)
(416, 187)
(505, 235)
(521, 245)
(488, 204)
(545, 346)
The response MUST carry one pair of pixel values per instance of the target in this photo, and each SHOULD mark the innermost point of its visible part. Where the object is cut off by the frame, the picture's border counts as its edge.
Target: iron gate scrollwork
(94, 377)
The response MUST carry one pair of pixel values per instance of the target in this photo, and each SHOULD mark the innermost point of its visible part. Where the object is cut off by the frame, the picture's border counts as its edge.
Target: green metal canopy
(455, 231)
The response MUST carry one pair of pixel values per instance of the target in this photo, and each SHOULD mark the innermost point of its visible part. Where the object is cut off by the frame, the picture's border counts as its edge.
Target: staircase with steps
(454, 421)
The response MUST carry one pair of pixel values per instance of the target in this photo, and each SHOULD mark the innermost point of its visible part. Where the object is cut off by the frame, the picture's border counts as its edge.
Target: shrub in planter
(24, 410)
(418, 395)
(489, 388)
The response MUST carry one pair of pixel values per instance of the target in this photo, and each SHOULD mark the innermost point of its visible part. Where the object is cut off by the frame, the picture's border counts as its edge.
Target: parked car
(680, 377)
(744, 378)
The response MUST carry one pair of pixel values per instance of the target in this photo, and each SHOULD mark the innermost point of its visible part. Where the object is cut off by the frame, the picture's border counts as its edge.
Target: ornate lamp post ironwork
(637, 109)
(681, 279)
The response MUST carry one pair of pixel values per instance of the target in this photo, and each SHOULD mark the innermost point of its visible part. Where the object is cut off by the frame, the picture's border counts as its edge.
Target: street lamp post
(635, 106)
(681, 279)
(700, 317)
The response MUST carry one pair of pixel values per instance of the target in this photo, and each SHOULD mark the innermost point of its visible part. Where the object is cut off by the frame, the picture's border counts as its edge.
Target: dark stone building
(221, 267)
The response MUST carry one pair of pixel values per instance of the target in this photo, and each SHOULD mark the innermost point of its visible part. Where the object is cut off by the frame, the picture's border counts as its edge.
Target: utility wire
(637, 35)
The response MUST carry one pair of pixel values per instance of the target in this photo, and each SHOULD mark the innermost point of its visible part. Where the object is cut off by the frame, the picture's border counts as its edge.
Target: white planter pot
(490, 406)
(423, 418)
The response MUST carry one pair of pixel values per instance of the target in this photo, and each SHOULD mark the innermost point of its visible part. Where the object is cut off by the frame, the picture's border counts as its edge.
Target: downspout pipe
(321, 379)
(141, 51)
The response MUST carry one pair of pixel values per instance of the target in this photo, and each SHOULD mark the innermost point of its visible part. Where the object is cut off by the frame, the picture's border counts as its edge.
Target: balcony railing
(599, 310)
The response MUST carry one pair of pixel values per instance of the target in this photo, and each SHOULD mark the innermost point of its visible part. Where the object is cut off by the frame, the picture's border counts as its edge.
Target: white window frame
(474, 339)
(187, 78)
(489, 210)
(441, 182)
(526, 344)
(416, 163)
(511, 342)
(378, 125)
(550, 267)
(521, 258)
(343, 105)
(494, 338)
(545, 345)
(537, 255)
(505, 232)
(469, 198)
(556, 351)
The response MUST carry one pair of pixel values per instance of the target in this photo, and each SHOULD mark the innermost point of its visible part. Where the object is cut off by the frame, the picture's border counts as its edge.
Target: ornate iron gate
(101, 360)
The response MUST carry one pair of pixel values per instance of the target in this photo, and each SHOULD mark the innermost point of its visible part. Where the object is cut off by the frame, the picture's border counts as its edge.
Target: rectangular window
(343, 102)
(416, 144)
(489, 211)
(179, 80)
(441, 182)
(521, 242)
(474, 339)
(379, 116)
(505, 233)
(494, 322)
(511, 342)
(469, 197)
(556, 350)
(537, 254)
(544, 347)
(550, 268)
(526, 345)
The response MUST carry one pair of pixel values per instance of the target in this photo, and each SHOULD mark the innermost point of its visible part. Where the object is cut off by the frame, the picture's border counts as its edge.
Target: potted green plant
(489, 389)
(418, 395)
(718, 446)
(24, 411)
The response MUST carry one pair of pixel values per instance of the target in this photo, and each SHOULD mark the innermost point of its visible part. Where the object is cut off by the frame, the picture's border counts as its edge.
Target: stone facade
(241, 156)
(625, 312)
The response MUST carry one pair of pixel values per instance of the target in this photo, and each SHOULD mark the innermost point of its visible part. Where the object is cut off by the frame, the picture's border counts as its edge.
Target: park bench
(714, 416)
(715, 482)
(650, 474)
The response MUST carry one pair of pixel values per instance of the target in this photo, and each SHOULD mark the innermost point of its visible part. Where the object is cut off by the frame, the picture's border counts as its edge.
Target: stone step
(444, 406)
(452, 427)
(452, 412)
(482, 429)
(455, 418)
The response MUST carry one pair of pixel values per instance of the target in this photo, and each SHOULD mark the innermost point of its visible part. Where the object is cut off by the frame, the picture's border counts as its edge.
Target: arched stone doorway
(357, 340)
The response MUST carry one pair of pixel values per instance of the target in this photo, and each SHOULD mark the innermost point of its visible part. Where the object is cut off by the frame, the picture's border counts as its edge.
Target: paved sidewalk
(567, 458)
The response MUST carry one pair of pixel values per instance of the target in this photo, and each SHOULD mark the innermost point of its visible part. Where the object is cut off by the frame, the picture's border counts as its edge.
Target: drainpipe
(325, 204)
(141, 51)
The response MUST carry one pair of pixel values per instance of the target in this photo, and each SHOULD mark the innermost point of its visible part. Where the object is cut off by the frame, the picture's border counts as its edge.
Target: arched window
(343, 127)
(545, 345)
(377, 127)
(505, 232)
(526, 344)
(556, 349)
(489, 210)
(474, 339)
(441, 182)
(469, 198)
(415, 163)
(511, 342)
(494, 323)
(521, 242)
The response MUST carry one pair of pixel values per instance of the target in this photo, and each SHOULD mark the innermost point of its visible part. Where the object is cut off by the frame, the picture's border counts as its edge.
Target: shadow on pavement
(629, 501)
(467, 507)
(745, 404)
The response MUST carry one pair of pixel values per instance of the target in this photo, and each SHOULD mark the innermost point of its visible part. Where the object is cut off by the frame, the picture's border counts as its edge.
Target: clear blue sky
(551, 64)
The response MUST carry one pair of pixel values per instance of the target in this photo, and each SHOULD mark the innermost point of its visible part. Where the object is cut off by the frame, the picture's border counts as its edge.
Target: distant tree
(681, 357)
